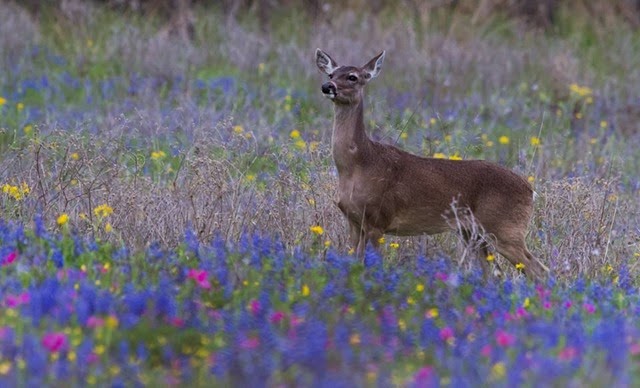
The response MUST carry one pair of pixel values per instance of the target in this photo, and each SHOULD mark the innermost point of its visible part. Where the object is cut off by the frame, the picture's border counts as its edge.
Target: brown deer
(385, 190)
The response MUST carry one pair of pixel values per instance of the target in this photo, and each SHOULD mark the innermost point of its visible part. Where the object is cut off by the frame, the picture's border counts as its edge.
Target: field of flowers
(167, 214)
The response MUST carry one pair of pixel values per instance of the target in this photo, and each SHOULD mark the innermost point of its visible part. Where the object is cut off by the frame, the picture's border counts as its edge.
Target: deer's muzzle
(329, 90)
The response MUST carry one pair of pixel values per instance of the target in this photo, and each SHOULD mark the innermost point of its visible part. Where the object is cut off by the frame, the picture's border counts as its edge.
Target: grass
(214, 158)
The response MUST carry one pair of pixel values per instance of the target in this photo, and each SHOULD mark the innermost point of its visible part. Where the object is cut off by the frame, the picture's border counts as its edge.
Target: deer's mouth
(330, 95)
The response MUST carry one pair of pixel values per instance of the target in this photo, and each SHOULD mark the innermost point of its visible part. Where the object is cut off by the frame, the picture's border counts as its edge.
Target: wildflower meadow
(168, 215)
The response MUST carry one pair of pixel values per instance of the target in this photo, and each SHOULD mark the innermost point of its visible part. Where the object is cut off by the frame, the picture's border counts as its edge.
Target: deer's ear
(374, 66)
(325, 63)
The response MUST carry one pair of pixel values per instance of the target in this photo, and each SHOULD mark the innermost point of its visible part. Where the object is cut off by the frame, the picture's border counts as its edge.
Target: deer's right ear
(325, 63)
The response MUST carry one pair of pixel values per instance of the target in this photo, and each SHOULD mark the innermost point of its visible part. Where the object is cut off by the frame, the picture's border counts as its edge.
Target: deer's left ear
(374, 66)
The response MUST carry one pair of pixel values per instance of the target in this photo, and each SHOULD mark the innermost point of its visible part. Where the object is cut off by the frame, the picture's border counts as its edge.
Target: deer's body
(385, 190)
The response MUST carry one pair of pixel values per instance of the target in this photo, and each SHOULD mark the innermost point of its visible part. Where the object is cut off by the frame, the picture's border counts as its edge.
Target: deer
(385, 190)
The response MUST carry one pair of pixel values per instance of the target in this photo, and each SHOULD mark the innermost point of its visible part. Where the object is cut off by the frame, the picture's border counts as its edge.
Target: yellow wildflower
(305, 290)
(103, 210)
(62, 219)
(5, 368)
(432, 312)
(75, 156)
(404, 136)
(394, 245)
(580, 91)
(317, 229)
(19, 106)
(433, 121)
(498, 371)
(455, 157)
(603, 124)
(489, 143)
(439, 155)
(410, 300)
(381, 240)
(111, 322)
(490, 257)
(238, 129)
(531, 178)
(520, 266)
(300, 144)
(108, 228)
(503, 140)
(158, 155)
(27, 129)
(295, 134)
(535, 141)
(3, 101)
(419, 287)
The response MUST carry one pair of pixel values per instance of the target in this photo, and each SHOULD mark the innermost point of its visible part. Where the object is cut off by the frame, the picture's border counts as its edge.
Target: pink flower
(425, 377)
(568, 353)
(505, 339)
(176, 322)
(94, 322)
(470, 310)
(201, 277)
(546, 305)
(276, 317)
(442, 276)
(92, 358)
(255, 306)
(486, 350)
(568, 304)
(13, 301)
(521, 312)
(446, 333)
(54, 342)
(250, 343)
(588, 307)
(10, 258)
(634, 348)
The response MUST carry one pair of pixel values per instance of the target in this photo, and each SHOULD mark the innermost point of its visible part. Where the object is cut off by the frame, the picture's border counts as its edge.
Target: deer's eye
(352, 78)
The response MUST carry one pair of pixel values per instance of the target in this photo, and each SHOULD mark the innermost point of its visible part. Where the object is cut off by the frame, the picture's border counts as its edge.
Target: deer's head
(346, 83)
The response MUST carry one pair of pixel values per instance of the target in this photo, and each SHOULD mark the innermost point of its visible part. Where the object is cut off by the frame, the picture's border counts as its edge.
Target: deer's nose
(328, 88)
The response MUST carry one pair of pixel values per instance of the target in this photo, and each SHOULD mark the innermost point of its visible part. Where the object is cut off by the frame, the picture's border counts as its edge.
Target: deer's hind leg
(515, 250)
(481, 250)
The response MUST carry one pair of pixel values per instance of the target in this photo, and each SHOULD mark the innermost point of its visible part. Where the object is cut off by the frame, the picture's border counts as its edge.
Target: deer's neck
(349, 143)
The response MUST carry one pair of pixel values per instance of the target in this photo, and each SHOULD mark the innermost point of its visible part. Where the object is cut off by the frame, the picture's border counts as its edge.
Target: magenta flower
(588, 307)
(249, 343)
(425, 377)
(486, 350)
(568, 353)
(568, 304)
(276, 317)
(13, 301)
(176, 322)
(446, 333)
(201, 277)
(255, 306)
(54, 342)
(94, 322)
(505, 339)
(10, 258)
(442, 276)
